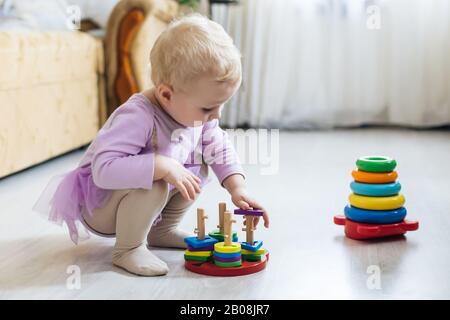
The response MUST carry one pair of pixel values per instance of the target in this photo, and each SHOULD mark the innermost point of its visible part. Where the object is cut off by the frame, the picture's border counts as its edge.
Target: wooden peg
(249, 228)
(200, 230)
(222, 209)
(227, 229)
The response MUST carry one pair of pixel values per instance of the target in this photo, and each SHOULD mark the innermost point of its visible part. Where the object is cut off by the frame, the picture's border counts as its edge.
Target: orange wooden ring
(374, 177)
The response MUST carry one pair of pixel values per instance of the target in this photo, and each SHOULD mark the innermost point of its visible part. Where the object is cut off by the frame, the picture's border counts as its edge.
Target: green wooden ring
(228, 264)
(376, 164)
(196, 258)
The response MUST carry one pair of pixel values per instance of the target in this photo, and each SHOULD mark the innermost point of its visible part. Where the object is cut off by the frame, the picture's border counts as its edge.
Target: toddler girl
(150, 160)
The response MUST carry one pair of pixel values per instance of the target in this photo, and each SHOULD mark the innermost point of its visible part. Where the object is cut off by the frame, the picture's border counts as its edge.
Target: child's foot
(170, 239)
(139, 261)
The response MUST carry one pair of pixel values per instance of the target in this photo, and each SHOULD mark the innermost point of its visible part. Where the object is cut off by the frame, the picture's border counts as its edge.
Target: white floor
(309, 255)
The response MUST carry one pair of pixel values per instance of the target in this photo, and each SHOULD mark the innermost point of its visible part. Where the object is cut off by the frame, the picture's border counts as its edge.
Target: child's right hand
(171, 171)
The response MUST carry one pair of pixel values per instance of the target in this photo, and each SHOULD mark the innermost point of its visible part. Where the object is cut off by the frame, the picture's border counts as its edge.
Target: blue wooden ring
(375, 216)
(227, 255)
(375, 190)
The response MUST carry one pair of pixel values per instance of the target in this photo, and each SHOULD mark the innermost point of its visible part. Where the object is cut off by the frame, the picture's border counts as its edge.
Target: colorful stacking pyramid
(376, 206)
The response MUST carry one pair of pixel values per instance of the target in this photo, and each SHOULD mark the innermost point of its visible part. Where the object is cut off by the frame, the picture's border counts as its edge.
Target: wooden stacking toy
(218, 233)
(376, 207)
(227, 253)
(250, 244)
(200, 247)
(220, 253)
(200, 241)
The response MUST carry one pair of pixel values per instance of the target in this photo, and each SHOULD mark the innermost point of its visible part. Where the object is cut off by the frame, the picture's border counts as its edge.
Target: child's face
(200, 102)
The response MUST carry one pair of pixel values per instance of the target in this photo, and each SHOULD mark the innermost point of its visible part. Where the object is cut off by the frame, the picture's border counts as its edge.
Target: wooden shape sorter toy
(218, 233)
(250, 244)
(219, 253)
(200, 241)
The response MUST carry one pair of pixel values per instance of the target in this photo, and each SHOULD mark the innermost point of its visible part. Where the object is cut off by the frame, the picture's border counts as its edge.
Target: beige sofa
(57, 88)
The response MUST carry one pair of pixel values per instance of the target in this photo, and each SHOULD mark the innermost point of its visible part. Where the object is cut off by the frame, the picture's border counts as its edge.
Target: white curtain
(326, 63)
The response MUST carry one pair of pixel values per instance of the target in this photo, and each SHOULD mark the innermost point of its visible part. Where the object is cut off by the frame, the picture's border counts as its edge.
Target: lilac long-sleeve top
(122, 156)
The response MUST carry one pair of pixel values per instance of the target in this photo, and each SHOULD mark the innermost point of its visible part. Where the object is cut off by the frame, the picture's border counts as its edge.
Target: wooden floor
(309, 255)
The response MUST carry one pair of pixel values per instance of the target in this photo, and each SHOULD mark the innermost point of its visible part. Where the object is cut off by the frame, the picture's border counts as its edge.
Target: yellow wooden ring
(198, 253)
(222, 248)
(377, 203)
(259, 251)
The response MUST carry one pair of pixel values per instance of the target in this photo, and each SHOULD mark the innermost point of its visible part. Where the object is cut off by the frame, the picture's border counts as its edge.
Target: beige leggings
(130, 213)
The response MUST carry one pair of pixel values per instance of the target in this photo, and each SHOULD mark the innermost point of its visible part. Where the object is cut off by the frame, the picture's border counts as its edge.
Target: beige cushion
(49, 96)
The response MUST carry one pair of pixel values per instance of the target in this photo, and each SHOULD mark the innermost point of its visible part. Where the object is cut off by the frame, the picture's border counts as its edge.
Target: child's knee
(160, 187)
(156, 196)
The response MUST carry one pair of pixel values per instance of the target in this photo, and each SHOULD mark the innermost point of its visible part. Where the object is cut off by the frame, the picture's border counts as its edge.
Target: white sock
(169, 239)
(139, 261)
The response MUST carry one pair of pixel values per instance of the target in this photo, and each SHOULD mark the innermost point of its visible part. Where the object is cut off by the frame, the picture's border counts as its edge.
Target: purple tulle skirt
(68, 196)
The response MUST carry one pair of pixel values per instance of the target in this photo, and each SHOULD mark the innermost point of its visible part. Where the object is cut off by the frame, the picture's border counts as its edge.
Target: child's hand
(242, 200)
(174, 173)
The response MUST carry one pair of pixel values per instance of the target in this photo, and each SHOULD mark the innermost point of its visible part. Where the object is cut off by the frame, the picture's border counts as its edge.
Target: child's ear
(165, 92)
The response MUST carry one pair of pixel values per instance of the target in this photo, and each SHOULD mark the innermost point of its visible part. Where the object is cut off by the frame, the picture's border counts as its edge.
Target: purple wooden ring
(200, 249)
(253, 212)
(227, 259)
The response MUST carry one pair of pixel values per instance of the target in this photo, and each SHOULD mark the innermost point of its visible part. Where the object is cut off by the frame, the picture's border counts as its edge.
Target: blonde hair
(193, 46)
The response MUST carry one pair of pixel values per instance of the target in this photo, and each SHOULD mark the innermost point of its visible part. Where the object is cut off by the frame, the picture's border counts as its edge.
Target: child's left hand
(241, 199)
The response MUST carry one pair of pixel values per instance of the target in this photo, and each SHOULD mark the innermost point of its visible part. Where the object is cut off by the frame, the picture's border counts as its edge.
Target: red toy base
(210, 269)
(362, 231)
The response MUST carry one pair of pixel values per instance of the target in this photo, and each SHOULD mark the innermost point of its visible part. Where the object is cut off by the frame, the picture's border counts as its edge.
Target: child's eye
(206, 110)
